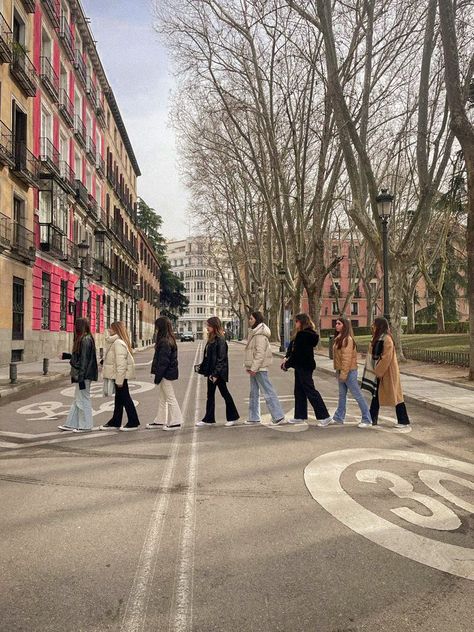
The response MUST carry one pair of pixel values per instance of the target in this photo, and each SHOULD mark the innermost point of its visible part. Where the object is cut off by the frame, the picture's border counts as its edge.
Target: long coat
(386, 369)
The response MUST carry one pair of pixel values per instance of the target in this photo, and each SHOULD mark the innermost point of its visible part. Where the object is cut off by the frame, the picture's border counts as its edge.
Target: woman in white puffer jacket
(258, 357)
(119, 366)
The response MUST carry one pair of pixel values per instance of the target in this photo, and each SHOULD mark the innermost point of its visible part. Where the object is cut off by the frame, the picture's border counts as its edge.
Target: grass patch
(436, 342)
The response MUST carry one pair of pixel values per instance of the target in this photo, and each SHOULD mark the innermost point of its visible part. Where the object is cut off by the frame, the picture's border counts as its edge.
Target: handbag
(108, 387)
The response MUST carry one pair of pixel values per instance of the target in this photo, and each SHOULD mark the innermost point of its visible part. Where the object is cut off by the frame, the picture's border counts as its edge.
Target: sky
(139, 73)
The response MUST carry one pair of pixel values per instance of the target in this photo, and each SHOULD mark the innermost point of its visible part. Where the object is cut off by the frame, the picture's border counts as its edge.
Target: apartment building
(67, 181)
(149, 301)
(208, 287)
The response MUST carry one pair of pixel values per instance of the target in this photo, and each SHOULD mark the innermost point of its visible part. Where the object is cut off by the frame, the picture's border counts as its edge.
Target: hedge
(420, 328)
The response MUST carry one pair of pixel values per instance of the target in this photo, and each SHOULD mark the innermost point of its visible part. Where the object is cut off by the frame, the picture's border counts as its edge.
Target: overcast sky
(137, 68)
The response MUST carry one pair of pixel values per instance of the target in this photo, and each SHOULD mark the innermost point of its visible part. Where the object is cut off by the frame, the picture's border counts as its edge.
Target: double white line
(135, 612)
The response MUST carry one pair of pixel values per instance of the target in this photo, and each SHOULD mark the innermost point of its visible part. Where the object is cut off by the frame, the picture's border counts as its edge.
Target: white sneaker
(297, 421)
(173, 427)
(205, 423)
(106, 427)
(364, 424)
(251, 423)
(231, 423)
(128, 428)
(277, 422)
(82, 429)
(154, 424)
(322, 423)
(65, 428)
(402, 426)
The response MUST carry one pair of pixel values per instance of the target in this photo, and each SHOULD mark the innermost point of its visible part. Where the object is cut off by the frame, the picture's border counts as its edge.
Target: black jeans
(123, 400)
(304, 391)
(400, 410)
(231, 411)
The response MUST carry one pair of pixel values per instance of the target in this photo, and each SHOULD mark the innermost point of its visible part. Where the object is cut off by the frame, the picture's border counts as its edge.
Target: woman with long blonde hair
(119, 366)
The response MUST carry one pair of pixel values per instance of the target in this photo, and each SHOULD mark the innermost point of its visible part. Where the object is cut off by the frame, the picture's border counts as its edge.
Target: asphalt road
(233, 529)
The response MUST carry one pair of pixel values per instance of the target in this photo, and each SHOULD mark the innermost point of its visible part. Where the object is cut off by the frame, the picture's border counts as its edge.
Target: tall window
(45, 301)
(108, 311)
(354, 309)
(63, 305)
(89, 307)
(97, 313)
(18, 309)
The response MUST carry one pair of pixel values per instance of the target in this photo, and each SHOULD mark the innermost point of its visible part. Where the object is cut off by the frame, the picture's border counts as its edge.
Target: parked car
(187, 336)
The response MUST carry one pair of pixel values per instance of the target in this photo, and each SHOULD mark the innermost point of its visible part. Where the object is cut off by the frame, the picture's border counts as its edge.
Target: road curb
(18, 388)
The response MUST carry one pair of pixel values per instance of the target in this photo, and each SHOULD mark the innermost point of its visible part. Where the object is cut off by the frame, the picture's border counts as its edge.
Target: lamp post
(282, 277)
(136, 290)
(82, 250)
(384, 208)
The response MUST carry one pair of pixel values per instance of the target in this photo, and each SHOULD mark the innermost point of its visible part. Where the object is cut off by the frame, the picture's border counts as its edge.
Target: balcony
(49, 157)
(100, 164)
(69, 253)
(101, 271)
(6, 146)
(51, 8)
(91, 149)
(30, 5)
(90, 89)
(51, 239)
(23, 241)
(26, 166)
(66, 37)
(66, 107)
(23, 70)
(49, 78)
(79, 130)
(68, 176)
(80, 66)
(82, 194)
(100, 110)
(5, 231)
(6, 38)
(93, 207)
(102, 216)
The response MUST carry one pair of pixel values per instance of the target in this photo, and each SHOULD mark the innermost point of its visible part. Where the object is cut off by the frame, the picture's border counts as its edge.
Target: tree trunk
(396, 277)
(411, 311)
(439, 302)
(314, 304)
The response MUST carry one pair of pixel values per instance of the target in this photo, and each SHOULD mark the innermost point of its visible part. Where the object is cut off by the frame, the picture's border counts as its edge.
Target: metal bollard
(13, 372)
(45, 366)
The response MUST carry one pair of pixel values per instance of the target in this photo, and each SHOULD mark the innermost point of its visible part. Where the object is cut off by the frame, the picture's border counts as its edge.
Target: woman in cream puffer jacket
(119, 366)
(258, 357)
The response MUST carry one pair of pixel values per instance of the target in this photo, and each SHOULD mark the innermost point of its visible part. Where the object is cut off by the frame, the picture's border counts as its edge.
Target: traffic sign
(85, 284)
(85, 294)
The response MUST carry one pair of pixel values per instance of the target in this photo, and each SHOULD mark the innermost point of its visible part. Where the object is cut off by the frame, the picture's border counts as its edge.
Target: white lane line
(183, 600)
(135, 612)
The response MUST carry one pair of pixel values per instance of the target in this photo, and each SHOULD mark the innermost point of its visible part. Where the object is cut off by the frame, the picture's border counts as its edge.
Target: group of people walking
(381, 375)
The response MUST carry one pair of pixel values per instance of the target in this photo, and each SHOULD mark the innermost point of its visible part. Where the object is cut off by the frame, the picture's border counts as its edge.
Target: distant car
(187, 336)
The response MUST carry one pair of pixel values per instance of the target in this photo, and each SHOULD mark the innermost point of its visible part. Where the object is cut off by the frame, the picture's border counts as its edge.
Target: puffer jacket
(84, 362)
(300, 354)
(119, 364)
(258, 353)
(165, 361)
(345, 358)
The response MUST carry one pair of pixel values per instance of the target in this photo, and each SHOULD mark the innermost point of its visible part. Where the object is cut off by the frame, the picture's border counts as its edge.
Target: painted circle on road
(322, 478)
(97, 389)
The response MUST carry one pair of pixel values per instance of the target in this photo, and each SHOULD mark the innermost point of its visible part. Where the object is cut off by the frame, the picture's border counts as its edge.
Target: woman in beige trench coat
(389, 389)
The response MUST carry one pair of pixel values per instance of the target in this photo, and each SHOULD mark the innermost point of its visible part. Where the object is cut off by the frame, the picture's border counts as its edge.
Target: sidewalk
(438, 387)
(30, 375)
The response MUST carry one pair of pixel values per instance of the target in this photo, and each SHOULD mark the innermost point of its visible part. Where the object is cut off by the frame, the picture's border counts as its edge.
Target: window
(108, 311)
(335, 308)
(78, 166)
(18, 309)
(354, 309)
(97, 313)
(115, 310)
(63, 305)
(89, 307)
(45, 300)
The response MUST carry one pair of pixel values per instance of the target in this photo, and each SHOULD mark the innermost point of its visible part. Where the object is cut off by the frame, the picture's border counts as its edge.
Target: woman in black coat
(165, 369)
(300, 357)
(215, 366)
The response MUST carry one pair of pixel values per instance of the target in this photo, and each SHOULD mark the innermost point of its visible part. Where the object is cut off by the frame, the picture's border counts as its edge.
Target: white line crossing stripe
(135, 612)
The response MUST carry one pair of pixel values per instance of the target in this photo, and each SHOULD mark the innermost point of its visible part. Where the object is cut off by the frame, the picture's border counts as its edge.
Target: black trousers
(123, 400)
(400, 410)
(304, 391)
(231, 411)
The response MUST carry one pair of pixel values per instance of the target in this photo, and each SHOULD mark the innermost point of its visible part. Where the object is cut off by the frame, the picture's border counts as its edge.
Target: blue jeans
(352, 385)
(262, 381)
(80, 414)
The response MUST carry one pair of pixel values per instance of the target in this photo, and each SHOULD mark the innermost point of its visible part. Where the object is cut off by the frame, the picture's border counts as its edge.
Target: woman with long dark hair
(257, 359)
(345, 363)
(119, 366)
(84, 370)
(165, 369)
(388, 391)
(300, 357)
(215, 366)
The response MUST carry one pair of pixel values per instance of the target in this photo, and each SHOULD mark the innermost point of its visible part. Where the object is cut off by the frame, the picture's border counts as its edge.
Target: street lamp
(82, 251)
(136, 290)
(384, 208)
(282, 277)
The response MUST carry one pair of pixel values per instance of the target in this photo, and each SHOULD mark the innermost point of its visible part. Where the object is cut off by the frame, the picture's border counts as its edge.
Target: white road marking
(322, 478)
(183, 601)
(135, 611)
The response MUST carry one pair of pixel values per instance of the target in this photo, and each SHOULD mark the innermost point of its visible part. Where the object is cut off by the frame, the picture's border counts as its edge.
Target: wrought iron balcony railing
(93, 206)
(91, 149)
(67, 175)
(100, 164)
(6, 146)
(26, 166)
(66, 107)
(23, 241)
(51, 239)
(52, 9)
(49, 157)
(82, 194)
(66, 36)
(49, 78)
(23, 70)
(6, 38)
(80, 129)
(69, 253)
(80, 66)
(30, 5)
(5, 231)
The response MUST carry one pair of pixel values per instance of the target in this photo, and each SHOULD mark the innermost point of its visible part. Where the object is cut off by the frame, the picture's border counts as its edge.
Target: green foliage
(451, 328)
(172, 298)
(150, 223)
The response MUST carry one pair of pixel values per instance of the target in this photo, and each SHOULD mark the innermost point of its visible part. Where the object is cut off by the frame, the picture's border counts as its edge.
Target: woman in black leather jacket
(215, 366)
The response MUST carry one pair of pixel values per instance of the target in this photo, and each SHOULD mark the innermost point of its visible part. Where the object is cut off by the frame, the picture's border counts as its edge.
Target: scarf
(370, 381)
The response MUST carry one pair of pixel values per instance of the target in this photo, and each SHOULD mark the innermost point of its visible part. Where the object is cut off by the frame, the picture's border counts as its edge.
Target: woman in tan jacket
(389, 388)
(345, 363)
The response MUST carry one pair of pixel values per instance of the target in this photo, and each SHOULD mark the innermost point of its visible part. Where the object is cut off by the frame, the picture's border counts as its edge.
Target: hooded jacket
(165, 361)
(258, 354)
(119, 364)
(300, 354)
